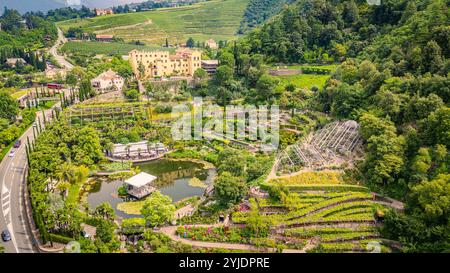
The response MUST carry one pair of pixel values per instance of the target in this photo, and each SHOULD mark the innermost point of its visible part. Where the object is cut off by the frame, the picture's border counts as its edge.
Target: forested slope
(394, 80)
(259, 11)
(28, 31)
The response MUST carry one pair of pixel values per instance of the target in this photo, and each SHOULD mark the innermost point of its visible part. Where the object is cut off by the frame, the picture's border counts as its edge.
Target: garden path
(171, 232)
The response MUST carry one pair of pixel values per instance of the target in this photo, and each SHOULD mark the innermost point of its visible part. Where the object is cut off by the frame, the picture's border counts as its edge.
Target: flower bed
(312, 178)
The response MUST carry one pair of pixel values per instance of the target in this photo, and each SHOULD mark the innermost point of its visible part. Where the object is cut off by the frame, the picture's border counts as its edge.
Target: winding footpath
(170, 231)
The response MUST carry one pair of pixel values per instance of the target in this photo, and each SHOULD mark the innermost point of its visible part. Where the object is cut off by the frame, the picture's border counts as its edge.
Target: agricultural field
(99, 48)
(218, 19)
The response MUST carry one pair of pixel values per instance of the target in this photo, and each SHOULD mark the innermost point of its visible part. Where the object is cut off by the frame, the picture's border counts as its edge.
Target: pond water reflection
(173, 180)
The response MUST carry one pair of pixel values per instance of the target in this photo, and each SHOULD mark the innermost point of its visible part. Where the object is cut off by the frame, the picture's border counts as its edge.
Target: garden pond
(174, 178)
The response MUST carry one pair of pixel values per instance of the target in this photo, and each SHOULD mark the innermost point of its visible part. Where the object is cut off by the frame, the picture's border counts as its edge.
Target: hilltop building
(161, 63)
(108, 81)
(211, 44)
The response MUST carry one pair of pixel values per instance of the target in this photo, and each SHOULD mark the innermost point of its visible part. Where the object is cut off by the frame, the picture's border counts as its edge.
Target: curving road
(12, 184)
(13, 215)
(54, 51)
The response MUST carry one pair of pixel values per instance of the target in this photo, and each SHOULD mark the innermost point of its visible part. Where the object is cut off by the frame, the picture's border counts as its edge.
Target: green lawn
(331, 67)
(131, 207)
(217, 19)
(304, 80)
(74, 193)
(20, 93)
(99, 48)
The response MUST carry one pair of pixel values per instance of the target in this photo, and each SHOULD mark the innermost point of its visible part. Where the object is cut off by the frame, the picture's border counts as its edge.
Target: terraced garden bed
(339, 221)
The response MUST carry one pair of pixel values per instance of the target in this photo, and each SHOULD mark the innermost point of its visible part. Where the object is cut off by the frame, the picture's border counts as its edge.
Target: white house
(108, 81)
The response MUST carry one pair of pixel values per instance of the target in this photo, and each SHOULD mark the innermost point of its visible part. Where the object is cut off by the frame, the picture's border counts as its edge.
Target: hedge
(60, 238)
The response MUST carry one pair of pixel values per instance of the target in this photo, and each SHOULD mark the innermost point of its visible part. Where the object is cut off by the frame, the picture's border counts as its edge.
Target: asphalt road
(12, 171)
(12, 183)
(54, 51)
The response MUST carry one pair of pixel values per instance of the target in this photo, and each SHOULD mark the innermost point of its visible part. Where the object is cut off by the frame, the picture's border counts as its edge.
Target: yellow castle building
(184, 62)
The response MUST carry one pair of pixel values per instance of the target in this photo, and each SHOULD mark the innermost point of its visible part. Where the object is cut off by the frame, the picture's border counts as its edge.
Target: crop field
(99, 48)
(217, 19)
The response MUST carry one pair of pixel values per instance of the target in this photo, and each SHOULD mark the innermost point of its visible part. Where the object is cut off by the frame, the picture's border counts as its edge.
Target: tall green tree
(158, 209)
(229, 189)
(9, 108)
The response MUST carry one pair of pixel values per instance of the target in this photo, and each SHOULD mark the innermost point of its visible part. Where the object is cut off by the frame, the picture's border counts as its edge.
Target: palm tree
(109, 148)
(128, 147)
(149, 145)
(66, 175)
(65, 172)
(105, 211)
(81, 173)
(63, 187)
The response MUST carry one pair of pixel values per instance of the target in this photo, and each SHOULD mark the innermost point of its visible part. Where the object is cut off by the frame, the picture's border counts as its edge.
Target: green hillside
(393, 80)
(259, 11)
(218, 19)
(94, 48)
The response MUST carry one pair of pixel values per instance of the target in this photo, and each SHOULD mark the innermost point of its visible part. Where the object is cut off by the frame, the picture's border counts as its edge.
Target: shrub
(133, 225)
(57, 238)
(122, 190)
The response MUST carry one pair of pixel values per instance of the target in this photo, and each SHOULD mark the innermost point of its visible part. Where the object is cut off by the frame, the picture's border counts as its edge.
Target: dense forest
(24, 37)
(65, 13)
(28, 32)
(259, 11)
(393, 79)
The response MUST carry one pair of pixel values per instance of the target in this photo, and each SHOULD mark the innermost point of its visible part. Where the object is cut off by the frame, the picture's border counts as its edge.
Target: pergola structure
(332, 145)
(141, 149)
(140, 185)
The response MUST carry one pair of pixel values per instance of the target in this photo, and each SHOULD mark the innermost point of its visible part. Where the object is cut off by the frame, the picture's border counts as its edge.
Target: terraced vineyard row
(334, 221)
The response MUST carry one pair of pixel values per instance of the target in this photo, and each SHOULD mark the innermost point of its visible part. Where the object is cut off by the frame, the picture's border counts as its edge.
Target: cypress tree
(43, 117)
(39, 126)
